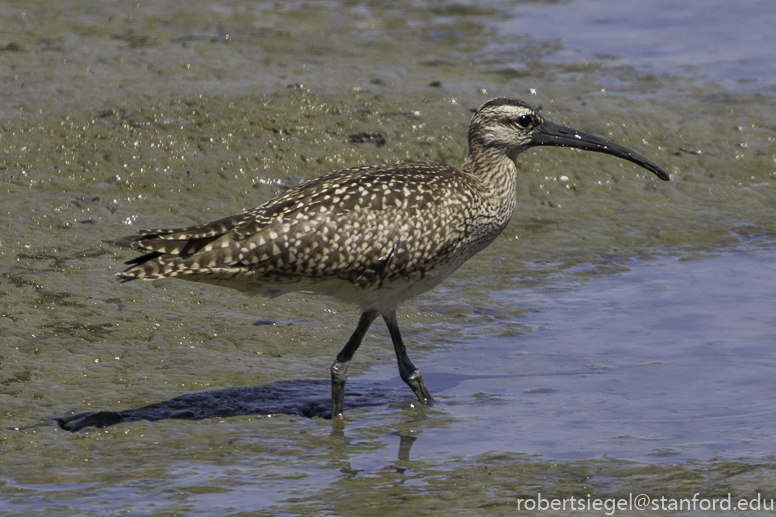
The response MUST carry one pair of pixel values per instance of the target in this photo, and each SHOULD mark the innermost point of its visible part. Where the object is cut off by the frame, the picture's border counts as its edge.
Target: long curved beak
(550, 133)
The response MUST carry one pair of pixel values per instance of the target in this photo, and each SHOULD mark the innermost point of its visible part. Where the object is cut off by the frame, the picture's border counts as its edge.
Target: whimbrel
(372, 236)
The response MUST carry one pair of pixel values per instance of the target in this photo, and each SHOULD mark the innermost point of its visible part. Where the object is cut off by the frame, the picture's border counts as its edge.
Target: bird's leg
(409, 374)
(339, 370)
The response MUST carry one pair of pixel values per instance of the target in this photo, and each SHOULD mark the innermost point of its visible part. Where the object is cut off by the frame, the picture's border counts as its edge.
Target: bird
(373, 236)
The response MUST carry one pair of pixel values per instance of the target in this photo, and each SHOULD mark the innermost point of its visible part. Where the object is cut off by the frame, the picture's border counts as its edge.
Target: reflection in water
(405, 444)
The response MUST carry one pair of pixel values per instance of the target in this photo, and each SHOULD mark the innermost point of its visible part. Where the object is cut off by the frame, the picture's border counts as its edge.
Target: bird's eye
(525, 121)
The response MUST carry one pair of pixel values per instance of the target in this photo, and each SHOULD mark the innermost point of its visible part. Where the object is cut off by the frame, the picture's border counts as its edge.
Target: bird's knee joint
(413, 377)
(339, 371)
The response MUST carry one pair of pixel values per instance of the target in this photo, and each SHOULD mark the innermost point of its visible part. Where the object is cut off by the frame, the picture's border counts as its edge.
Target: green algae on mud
(73, 181)
(75, 340)
(304, 469)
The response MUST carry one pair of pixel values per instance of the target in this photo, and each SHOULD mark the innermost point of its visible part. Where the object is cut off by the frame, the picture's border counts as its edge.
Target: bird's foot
(415, 382)
(339, 374)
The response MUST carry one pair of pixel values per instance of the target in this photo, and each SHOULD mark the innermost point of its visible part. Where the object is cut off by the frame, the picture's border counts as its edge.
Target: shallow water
(672, 361)
(654, 381)
(614, 340)
(713, 40)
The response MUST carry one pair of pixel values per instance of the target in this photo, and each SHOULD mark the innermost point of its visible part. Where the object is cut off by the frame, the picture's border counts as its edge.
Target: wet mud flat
(613, 341)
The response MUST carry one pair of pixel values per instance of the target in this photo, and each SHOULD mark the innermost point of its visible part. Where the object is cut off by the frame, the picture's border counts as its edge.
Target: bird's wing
(345, 224)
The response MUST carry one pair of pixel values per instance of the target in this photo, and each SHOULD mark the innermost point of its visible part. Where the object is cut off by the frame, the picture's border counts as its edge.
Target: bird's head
(512, 126)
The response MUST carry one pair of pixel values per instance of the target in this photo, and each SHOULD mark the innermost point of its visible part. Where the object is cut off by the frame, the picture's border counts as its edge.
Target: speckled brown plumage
(367, 227)
(374, 236)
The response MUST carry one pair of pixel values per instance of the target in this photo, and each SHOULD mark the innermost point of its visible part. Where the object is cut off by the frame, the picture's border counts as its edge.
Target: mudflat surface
(615, 340)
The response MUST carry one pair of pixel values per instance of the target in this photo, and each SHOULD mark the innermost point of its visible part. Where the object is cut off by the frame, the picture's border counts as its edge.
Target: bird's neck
(495, 170)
